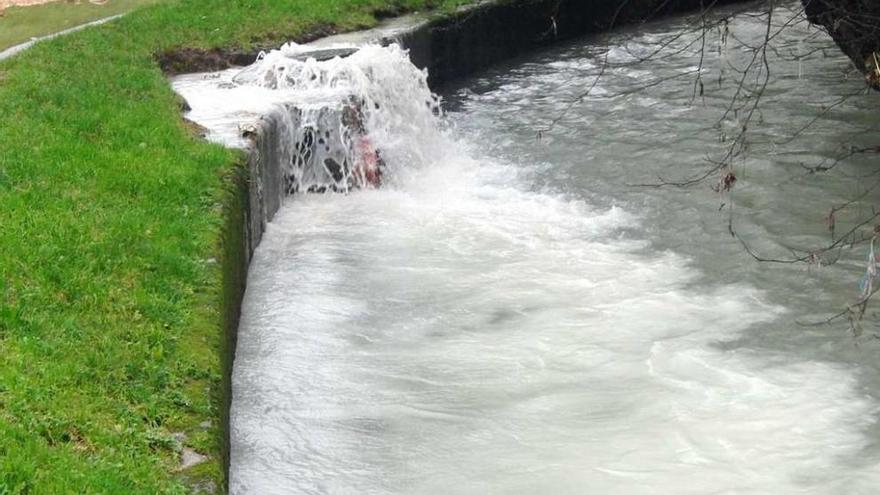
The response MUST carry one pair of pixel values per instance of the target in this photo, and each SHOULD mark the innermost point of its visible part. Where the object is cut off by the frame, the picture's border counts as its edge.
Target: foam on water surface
(464, 335)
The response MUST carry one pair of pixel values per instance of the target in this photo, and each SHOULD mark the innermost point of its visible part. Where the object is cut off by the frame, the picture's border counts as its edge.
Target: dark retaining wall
(462, 44)
(450, 47)
(855, 27)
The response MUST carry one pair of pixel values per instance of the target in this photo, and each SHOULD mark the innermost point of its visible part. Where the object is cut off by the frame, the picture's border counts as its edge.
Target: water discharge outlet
(334, 120)
(342, 113)
(328, 141)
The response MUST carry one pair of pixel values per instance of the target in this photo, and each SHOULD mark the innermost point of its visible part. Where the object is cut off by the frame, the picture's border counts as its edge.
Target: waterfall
(348, 122)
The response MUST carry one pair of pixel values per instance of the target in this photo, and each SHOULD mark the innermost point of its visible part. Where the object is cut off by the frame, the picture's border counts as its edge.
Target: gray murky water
(511, 315)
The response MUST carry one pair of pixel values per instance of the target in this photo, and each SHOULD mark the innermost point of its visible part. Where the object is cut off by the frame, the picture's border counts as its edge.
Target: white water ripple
(458, 332)
(466, 336)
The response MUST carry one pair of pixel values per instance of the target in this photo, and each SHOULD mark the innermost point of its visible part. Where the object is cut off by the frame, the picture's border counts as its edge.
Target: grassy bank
(112, 220)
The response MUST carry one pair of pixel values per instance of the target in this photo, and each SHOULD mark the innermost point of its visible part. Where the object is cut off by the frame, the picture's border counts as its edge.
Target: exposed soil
(185, 60)
(4, 4)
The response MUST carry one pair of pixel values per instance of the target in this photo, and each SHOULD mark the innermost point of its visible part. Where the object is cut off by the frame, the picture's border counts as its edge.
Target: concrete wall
(266, 161)
(457, 46)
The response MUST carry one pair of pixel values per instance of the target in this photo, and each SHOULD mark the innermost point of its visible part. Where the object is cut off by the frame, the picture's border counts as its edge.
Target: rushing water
(511, 315)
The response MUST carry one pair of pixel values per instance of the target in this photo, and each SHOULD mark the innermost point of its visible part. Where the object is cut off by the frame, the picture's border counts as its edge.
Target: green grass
(19, 24)
(112, 222)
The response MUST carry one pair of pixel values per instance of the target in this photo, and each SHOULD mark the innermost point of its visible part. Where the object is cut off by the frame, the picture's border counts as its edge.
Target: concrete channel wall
(450, 46)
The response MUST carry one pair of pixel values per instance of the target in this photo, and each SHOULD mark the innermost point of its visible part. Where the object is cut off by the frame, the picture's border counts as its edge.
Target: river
(513, 313)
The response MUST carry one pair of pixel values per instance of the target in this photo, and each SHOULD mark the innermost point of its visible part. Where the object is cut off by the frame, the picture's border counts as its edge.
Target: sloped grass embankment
(118, 234)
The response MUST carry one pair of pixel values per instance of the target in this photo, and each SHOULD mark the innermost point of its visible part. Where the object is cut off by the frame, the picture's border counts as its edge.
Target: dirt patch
(185, 60)
(4, 4)
(194, 129)
(188, 60)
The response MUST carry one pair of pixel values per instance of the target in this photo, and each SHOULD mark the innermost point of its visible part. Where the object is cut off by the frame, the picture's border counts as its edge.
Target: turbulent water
(509, 314)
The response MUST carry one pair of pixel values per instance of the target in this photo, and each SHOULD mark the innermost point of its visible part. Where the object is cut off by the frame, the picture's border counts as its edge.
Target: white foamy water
(459, 335)
(470, 329)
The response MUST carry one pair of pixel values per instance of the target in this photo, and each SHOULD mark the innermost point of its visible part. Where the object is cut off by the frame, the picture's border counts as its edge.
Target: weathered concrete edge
(450, 46)
(16, 49)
